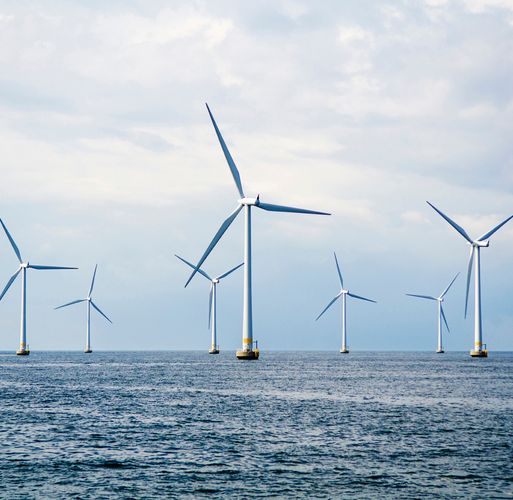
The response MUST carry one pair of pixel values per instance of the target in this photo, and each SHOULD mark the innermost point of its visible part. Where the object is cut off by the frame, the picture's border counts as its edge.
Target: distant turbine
(212, 316)
(441, 313)
(343, 293)
(247, 351)
(90, 303)
(475, 248)
(24, 348)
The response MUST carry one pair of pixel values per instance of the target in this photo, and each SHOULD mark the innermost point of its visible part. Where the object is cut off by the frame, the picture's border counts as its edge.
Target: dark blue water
(316, 425)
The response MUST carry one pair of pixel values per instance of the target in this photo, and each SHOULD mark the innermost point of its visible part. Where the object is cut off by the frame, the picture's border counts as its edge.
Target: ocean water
(291, 425)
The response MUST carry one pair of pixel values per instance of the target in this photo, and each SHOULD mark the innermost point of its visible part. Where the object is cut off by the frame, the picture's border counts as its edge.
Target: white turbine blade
(224, 226)
(13, 244)
(282, 208)
(448, 286)
(98, 309)
(203, 273)
(210, 304)
(46, 268)
(92, 282)
(338, 269)
(329, 305)
(445, 319)
(9, 283)
(361, 298)
(228, 156)
(496, 228)
(452, 223)
(229, 272)
(70, 303)
(421, 296)
(469, 274)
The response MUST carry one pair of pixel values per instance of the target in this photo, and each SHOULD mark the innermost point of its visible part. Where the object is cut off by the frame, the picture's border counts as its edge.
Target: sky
(360, 108)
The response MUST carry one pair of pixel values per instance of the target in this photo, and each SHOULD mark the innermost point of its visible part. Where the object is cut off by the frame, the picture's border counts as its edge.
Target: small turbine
(212, 301)
(343, 293)
(24, 349)
(247, 351)
(479, 350)
(90, 303)
(441, 314)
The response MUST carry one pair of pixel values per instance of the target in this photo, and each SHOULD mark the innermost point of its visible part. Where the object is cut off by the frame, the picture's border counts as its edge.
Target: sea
(290, 425)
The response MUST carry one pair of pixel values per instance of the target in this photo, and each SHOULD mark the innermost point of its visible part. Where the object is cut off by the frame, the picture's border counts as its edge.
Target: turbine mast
(214, 349)
(247, 351)
(440, 348)
(478, 324)
(88, 329)
(23, 350)
(344, 349)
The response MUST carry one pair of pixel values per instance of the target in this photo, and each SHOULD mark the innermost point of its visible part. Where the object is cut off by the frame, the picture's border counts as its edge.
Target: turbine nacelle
(215, 281)
(24, 265)
(478, 243)
(250, 201)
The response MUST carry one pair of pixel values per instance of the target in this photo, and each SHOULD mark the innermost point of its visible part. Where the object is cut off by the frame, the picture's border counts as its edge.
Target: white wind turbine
(343, 293)
(247, 351)
(24, 349)
(441, 314)
(90, 303)
(212, 315)
(479, 350)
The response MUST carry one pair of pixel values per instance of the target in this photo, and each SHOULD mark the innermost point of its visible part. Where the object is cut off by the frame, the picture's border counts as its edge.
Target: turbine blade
(361, 298)
(448, 286)
(339, 273)
(282, 208)
(210, 304)
(452, 223)
(46, 268)
(13, 244)
(203, 273)
(70, 303)
(9, 283)
(92, 282)
(224, 226)
(496, 228)
(329, 305)
(421, 296)
(227, 155)
(229, 272)
(445, 319)
(98, 309)
(469, 274)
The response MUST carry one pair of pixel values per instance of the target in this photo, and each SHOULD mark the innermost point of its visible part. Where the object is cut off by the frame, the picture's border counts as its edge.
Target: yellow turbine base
(23, 352)
(248, 354)
(479, 354)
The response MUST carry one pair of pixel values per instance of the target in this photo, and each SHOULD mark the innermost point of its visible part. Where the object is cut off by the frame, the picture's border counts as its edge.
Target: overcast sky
(361, 108)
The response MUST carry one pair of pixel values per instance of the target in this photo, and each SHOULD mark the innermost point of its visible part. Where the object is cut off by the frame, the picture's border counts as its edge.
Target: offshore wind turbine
(24, 265)
(212, 305)
(90, 303)
(246, 204)
(479, 350)
(344, 293)
(441, 314)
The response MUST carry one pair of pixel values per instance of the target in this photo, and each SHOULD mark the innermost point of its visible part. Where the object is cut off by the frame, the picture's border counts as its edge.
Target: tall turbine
(479, 350)
(343, 293)
(90, 303)
(247, 351)
(212, 306)
(441, 314)
(24, 348)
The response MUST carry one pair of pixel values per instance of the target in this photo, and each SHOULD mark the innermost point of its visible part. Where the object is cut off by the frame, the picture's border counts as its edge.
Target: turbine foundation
(88, 351)
(479, 354)
(344, 351)
(440, 351)
(248, 354)
(23, 352)
(214, 350)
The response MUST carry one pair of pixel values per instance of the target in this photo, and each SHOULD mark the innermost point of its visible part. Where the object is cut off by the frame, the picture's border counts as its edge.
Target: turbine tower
(479, 350)
(90, 303)
(24, 348)
(343, 293)
(246, 203)
(212, 315)
(441, 314)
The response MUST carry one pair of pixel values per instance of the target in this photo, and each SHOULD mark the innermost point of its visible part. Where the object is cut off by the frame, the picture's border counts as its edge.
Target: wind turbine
(441, 314)
(247, 351)
(479, 350)
(343, 293)
(24, 348)
(212, 316)
(90, 303)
